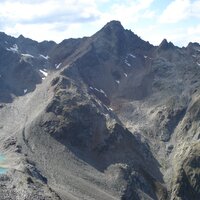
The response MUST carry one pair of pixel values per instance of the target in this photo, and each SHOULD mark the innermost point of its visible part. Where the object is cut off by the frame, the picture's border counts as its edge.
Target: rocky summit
(105, 117)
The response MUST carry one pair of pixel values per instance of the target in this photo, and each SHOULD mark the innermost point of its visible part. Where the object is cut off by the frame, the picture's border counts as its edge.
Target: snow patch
(45, 57)
(145, 57)
(108, 108)
(14, 48)
(125, 74)
(27, 55)
(117, 81)
(126, 59)
(25, 91)
(58, 66)
(198, 63)
(103, 92)
(99, 90)
(131, 55)
(127, 63)
(43, 72)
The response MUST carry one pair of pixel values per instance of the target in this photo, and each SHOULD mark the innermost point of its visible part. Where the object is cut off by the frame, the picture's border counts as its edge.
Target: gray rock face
(20, 61)
(104, 117)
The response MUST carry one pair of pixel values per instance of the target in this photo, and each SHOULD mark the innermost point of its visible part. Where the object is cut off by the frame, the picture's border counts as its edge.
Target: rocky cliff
(103, 117)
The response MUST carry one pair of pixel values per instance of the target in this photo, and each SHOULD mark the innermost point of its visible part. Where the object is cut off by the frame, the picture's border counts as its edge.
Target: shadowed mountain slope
(103, 117)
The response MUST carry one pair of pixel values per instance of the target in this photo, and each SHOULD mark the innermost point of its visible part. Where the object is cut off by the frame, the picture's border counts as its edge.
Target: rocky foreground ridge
(103, 117)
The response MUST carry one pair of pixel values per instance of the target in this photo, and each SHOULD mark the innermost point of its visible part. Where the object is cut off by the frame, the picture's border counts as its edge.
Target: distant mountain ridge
(103, 117)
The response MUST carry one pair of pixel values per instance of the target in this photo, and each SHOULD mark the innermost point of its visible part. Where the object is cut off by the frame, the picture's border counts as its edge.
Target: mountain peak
(113, 26)
(166, 45)
(114, 38)
(21, 37)
(193, 44)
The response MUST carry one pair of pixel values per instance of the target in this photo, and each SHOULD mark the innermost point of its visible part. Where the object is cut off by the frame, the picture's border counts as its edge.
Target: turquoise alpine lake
(2, 170)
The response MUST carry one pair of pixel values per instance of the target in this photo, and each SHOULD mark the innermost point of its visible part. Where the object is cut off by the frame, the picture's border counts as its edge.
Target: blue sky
(152, 20)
